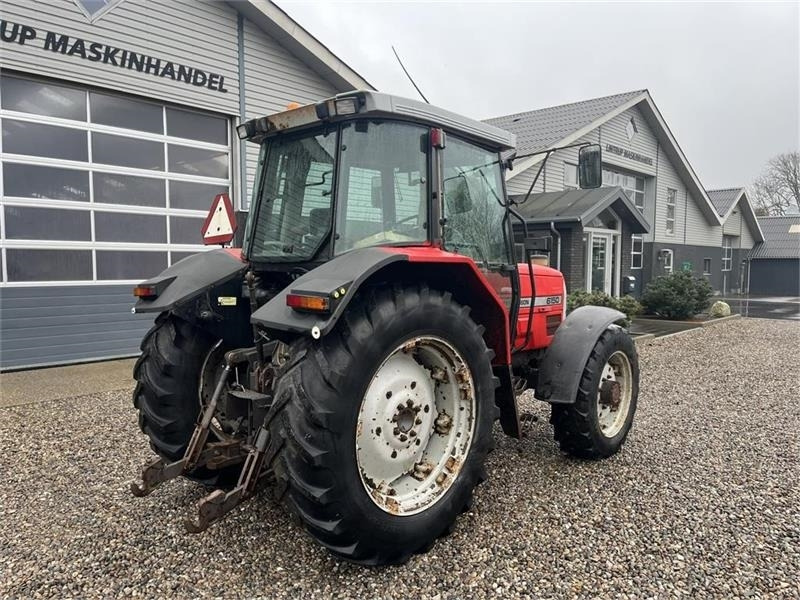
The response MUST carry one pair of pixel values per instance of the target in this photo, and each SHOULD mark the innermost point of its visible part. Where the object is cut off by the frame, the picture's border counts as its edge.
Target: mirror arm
(535, 179)
(547, 154)
(579, 145)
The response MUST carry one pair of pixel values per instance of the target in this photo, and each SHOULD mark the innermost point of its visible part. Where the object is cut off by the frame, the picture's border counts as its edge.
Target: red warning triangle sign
(220, 224)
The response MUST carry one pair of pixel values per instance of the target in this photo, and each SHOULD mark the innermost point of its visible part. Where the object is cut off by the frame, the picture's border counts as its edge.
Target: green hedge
(626, 304)
(679, 295)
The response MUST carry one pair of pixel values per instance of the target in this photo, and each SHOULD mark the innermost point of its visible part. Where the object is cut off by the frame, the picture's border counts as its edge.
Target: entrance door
(600, 260)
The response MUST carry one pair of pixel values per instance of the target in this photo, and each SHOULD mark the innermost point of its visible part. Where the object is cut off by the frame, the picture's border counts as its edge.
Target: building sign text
(629, 154)
(111, 55)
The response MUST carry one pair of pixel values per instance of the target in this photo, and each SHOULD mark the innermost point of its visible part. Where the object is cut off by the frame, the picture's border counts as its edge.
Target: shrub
(626, 304)
(679, 295)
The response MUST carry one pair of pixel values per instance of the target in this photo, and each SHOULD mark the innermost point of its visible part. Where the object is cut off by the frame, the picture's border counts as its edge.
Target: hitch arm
(219, 503)
(158, 471)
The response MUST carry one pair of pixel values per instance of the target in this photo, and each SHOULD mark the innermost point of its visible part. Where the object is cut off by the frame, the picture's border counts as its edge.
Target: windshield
(382, 191)
(293, 217)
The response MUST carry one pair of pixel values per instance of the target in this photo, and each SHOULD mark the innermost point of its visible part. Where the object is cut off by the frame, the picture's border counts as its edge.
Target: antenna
(397, 56)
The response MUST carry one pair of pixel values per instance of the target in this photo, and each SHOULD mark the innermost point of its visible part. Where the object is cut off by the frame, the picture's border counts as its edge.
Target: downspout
(653, 260)
(243, 202)
(558, 245)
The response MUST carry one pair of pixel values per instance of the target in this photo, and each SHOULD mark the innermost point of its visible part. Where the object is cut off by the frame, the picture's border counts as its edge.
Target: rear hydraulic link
(215, 455)
(219, 503)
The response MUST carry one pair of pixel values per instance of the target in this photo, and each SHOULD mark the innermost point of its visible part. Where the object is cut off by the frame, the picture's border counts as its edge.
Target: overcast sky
(726, 77)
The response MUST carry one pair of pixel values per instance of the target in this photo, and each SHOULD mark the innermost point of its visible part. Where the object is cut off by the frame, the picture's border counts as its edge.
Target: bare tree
(777, 190)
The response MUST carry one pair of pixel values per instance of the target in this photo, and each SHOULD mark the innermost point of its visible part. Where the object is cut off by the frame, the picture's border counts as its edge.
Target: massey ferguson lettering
(111, 55)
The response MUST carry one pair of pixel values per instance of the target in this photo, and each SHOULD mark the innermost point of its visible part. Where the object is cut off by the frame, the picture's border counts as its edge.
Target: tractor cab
(366, 169)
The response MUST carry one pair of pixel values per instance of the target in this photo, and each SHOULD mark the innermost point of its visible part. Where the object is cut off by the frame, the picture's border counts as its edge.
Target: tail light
(307, 302)
(145, 292)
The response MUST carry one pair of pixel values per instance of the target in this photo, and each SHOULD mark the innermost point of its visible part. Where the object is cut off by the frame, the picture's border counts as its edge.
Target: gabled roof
(581, 206)
(587, 116)
(781, 237)
(290, 34)
(726, 200)
(539, 129)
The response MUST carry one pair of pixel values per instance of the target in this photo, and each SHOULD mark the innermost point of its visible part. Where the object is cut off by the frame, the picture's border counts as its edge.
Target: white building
(117, 124)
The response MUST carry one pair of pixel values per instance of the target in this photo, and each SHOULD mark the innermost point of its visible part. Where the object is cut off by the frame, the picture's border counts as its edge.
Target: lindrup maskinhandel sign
(49, 41)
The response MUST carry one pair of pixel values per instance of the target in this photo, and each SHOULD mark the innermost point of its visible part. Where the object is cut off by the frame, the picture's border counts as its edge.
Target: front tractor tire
(385, 426)
(596, 425)
(168, 377)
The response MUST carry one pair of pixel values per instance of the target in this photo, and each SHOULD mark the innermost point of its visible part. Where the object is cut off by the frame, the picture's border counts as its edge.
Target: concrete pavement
(57, 383)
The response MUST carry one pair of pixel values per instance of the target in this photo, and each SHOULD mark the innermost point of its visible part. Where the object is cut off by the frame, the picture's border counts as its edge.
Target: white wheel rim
(415, 425)
(614, 394)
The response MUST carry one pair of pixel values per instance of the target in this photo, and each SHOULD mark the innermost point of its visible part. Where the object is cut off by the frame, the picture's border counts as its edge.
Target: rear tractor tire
(385, 425)
(168, 377)
(596, 425)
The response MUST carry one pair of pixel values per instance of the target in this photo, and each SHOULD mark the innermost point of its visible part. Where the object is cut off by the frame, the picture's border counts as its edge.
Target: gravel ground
(703, 501)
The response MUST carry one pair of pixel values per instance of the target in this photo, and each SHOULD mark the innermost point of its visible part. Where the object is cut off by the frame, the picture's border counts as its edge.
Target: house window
(672, 196)
(667, 254)
(631, 130)
(637, 248)
(103, 187)
(633, 185)
(727, 253)
(571, 177)
(706, 266)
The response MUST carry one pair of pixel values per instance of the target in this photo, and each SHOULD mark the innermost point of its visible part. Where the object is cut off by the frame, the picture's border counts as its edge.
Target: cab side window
(473, 206)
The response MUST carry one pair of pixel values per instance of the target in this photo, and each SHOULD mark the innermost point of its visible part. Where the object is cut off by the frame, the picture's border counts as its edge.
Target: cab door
(475, 220)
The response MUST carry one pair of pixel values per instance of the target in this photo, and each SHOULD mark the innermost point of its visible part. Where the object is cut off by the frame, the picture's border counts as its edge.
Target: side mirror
(460, 197)
(590, 167)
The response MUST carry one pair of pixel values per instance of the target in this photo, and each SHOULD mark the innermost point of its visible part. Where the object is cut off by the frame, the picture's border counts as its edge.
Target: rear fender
(192, 276)
(346, 272)
(353, 270)
(562, 366)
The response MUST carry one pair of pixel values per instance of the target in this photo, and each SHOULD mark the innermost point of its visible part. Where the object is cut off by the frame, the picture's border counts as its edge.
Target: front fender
(561, 368)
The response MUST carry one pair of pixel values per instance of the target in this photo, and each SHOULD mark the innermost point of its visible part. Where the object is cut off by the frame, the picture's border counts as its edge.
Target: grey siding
(694, 255)
(195, 33)
(273, 78)
(644, 142)
(736, 225)
(51, 325)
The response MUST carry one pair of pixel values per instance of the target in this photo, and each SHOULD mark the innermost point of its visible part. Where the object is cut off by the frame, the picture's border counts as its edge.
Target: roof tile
(723, 199)
(778, 242)
(539, 129)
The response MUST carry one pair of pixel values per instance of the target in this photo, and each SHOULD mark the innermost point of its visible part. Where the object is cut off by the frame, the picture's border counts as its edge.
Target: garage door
(99, 191)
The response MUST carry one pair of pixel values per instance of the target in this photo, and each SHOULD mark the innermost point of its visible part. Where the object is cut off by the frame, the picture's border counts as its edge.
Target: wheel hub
(405, 418)
(415, 425)
(610, 394)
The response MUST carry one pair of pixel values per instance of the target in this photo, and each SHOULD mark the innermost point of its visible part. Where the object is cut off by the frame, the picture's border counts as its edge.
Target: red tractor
(354, 354)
